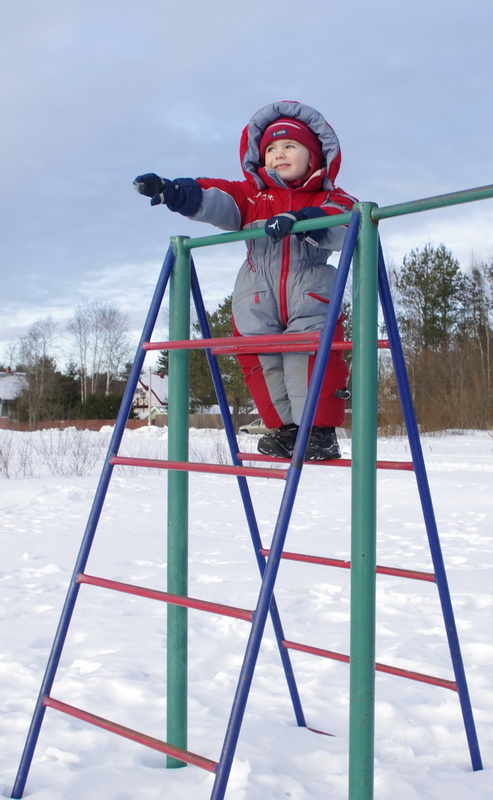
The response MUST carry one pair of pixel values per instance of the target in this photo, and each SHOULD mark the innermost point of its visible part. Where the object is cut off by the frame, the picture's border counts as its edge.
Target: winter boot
(322, 445)
(280, 444)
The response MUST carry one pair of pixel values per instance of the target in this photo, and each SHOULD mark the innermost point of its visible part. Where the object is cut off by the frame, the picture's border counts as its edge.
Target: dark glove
(280, 226)
(182, 194)
(150, 184)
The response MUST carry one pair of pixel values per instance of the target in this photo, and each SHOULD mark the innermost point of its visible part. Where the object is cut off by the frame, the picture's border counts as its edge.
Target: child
(290, 157)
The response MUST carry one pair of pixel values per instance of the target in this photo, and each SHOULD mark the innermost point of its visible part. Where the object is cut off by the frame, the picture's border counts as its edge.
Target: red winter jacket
(290, 268)
(283, 286)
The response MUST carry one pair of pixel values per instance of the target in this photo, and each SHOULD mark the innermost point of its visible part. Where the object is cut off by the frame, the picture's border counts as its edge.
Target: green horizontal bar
(400, 209)
(427, 203)
(257, 233)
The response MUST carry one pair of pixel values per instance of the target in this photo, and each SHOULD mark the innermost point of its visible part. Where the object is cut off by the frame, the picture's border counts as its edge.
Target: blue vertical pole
(92, 523)
(428, 511)
(280, 532)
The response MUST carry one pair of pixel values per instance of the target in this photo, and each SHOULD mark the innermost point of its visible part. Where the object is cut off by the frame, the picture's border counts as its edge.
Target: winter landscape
(114, 661)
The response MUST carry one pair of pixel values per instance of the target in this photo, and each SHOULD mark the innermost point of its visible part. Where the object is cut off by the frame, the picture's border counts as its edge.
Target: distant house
(12, 384)
(157, 397)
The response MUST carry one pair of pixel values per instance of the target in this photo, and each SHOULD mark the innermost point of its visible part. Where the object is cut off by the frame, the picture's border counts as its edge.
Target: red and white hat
(290, 128)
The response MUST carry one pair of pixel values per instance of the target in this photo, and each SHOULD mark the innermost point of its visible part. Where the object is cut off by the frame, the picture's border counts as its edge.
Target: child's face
(289, 158)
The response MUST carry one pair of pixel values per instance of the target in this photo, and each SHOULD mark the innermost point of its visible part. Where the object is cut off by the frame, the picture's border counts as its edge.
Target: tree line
(445, 322)
(445, 318)
(202, 392)
(91, 386)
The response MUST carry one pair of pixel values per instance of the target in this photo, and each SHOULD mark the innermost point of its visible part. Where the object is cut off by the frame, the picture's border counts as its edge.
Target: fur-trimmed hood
(252, 134)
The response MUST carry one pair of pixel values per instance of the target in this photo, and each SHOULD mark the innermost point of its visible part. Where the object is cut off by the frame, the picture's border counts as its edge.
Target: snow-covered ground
(114, 661)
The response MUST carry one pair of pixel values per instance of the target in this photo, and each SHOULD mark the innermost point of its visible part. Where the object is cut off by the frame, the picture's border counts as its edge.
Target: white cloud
(94, 93)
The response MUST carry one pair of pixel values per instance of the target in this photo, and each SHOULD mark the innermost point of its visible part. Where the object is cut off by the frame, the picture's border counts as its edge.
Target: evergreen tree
(237, 393)
(445, 323)
(102, 406)
(429, 286)
(202, 393)
(162, 363)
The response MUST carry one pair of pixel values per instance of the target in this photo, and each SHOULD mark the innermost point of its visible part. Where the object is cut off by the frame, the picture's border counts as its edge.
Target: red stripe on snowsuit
(282, 285)
(330, 409)
(283, 296)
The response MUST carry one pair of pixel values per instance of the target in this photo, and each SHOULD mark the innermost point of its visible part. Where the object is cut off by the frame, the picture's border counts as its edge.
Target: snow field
(114, 661)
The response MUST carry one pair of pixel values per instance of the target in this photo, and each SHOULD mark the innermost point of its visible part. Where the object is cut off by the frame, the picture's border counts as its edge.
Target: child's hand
(182, 194)
(280, 226)
(151, 185)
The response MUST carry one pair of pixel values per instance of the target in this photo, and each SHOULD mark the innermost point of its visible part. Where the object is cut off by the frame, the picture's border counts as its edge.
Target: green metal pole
(429, 203)
(363, 537)
(178, 397)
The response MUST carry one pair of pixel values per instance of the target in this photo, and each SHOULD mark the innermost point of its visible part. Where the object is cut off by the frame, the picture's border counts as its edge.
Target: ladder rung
(337, 562)
(236, 341)
(284, 347)
(165, 597)
(128, 733)
(333, 462)
(295, 346)
(402, 673)
(191, 466)
(274, 342)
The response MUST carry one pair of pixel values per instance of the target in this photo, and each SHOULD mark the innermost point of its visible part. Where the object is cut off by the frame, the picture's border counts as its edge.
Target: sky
(94, 93)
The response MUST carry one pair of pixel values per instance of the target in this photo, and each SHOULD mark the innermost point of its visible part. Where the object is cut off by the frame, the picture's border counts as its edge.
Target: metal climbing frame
(369, 281)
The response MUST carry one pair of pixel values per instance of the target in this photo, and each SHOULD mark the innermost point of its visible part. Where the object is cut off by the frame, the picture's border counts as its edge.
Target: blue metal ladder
(268, 561)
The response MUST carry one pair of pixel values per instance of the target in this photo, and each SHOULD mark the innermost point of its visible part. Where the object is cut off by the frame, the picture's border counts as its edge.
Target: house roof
(159, 386)
(12, 384)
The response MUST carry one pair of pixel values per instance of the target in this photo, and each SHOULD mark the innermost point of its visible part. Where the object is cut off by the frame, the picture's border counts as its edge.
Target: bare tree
(477, 328)
(11, 350)
(117, 343)
(101, 344)
(78, 327)
(36, 353)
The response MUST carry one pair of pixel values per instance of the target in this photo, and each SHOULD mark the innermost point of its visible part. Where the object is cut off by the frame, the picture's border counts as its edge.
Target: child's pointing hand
(182, 194)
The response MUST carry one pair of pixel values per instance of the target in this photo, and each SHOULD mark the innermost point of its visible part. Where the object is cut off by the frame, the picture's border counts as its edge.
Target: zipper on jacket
(283, 282)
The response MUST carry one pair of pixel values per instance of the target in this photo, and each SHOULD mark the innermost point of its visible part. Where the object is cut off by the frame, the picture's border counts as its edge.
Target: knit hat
(290, 128)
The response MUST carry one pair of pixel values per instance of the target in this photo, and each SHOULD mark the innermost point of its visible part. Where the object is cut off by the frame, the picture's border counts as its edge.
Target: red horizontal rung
(336, 562)
(315, 651)
(285, 347)
(402, 673)
(334, 462)
(128, 733)
(165, 597)
(255, 344)
(231, 341)
(190, 466)
(407, 573)
(417, 676)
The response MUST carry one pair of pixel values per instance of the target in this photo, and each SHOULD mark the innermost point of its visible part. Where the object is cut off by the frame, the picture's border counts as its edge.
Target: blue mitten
(150, 184)
(312, 237)
(182, 194)
(280, 226)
